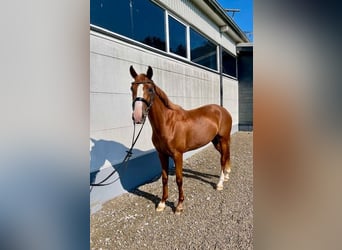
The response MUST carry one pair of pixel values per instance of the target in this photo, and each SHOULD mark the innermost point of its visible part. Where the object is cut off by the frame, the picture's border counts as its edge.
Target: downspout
(221, 74)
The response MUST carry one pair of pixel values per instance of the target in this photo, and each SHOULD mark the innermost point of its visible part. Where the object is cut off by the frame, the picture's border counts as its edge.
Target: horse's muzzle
(138, 121)
(139, 111)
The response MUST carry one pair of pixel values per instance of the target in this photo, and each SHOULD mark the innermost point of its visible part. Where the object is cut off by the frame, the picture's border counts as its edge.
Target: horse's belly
(195, 137)
(197, 140)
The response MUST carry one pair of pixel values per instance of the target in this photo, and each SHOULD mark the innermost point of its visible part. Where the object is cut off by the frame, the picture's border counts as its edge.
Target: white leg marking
(220, 183)
(226, 175)
(161, 207)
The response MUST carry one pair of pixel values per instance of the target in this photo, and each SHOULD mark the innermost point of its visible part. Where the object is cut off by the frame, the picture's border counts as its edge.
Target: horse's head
(143, 91)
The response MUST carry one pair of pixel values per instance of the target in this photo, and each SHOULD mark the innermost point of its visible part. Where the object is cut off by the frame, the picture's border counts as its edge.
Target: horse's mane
(165, 100)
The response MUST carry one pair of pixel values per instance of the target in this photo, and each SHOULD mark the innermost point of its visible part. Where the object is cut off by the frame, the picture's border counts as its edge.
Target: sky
(244, 18)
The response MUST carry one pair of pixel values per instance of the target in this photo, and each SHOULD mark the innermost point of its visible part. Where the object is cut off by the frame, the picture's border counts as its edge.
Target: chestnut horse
(176, 130)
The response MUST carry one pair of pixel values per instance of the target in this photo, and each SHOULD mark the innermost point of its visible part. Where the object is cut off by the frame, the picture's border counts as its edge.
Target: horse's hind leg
(222, 145)
(227, 160)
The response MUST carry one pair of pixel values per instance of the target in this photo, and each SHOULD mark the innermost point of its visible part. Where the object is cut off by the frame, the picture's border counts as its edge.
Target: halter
(148, 104)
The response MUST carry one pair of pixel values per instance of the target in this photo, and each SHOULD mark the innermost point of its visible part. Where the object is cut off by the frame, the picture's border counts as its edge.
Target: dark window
(140, 20)
(177, 36)
(228, 63)
(203, 51)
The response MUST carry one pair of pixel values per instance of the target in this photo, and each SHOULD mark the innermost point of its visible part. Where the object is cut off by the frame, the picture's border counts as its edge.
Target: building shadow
(142, 167)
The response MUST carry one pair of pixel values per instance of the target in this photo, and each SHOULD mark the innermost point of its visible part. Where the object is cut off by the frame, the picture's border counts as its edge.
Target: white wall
(231, 100)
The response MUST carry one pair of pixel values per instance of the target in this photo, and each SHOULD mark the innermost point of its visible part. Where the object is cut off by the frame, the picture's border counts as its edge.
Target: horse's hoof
(219, 188)
(226, 177)
(160, 207)
(179, 211)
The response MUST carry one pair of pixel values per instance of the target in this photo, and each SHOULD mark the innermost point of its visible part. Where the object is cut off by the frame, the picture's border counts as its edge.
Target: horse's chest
(162, 143)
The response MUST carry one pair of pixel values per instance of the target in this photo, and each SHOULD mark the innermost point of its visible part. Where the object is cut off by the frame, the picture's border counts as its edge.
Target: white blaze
(138, 107)
(140, 90)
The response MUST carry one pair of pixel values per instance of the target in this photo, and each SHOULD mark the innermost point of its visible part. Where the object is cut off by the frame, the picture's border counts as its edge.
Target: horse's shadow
(204, 177)
(187, 173)
(153, 198)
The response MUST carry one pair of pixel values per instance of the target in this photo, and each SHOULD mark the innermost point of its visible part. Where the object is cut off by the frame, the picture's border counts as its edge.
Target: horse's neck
(160, 109)
(165, 99)
(157, 113)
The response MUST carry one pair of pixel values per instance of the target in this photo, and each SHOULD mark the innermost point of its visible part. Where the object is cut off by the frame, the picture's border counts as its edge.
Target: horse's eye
(131, 88)
(150, 90)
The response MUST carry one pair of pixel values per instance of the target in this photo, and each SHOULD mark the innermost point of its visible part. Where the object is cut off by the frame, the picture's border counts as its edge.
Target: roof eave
(233, 29)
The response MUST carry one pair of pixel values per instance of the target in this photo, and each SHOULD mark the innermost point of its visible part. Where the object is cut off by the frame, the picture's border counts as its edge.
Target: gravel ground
(211, 219)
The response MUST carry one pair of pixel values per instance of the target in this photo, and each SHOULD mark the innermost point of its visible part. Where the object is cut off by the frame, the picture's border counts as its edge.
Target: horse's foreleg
(178, 158)
(164, 160)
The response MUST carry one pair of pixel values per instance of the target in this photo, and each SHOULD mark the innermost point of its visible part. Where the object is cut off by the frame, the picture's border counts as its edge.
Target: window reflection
(112, 15)
(228, 63)
(203, 51)
(140, 20)
(177, 36)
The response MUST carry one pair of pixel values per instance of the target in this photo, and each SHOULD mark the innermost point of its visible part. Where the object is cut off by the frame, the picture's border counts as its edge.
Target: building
(245, 79)
(192, 48)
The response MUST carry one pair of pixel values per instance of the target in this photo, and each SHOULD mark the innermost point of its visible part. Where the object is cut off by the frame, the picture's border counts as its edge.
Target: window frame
(187, 36)
(211, 41)
(236, 68)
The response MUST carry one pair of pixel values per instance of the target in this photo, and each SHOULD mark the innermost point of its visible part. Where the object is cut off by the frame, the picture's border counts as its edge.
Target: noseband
(148, 104)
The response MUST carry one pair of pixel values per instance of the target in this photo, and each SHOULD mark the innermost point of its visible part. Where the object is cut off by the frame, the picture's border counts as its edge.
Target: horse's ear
(149, 73)
(132, 71)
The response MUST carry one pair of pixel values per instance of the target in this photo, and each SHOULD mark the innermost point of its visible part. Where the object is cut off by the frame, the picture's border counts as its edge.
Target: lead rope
(125, 160)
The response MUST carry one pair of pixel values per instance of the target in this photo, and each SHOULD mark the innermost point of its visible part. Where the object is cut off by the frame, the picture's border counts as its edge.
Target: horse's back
(216, 114)
(221, 113)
